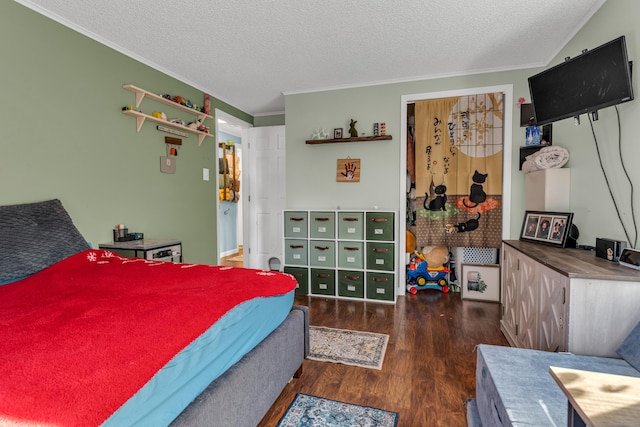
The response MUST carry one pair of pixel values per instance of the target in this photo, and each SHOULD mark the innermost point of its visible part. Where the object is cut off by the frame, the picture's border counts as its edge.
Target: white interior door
(266, 196)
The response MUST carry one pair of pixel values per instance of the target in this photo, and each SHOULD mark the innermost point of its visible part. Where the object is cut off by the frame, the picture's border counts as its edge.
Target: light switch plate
(205, 174)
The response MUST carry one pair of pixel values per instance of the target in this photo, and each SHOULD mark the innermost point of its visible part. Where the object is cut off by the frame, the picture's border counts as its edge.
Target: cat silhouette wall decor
(476, 192)
(462, 227)
(439, 201)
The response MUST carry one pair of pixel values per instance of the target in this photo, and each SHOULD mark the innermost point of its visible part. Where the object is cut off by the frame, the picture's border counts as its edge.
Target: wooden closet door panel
(510, 293)
(554, 288)
(528, 304)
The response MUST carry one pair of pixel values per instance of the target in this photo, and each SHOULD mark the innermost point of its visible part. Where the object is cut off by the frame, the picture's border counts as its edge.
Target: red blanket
(81, 337)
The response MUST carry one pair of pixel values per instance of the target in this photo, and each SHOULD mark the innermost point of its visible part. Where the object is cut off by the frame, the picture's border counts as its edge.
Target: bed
(88, 337)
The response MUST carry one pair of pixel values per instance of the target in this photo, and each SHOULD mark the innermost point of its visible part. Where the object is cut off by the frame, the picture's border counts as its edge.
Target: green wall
(64, 136)
(311, 169)
(273, 120)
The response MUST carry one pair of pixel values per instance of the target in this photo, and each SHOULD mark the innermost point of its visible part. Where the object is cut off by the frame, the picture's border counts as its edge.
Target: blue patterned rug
(364, 349)
(312, 411)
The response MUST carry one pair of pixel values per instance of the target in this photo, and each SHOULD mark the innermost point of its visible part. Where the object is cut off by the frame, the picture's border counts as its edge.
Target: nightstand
(151, 249)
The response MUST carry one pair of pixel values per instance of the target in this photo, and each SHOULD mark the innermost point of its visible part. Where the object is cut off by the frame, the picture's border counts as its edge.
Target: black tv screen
(595, 79)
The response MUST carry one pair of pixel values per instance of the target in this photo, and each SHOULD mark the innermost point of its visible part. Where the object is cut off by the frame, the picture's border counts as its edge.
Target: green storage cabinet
(350, 283)
(380, 256)
(295, 252)
(295, 224)
(302, 277)
(322, 253)
(322, 225)
(323, 281)
(380, 226)
(380, 286)
(350, 255)
(351, 225)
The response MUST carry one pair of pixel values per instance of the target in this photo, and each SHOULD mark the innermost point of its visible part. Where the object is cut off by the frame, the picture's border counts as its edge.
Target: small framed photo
(549, 228)
(337, 133)
(481, 282)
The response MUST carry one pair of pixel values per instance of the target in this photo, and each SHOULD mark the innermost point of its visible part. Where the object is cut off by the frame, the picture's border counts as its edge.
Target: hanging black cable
(595, 140)
(624, 168)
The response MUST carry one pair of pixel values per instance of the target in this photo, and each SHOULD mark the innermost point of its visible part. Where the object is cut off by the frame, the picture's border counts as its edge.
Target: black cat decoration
(476, 192)
(439, 201)
(461, 227)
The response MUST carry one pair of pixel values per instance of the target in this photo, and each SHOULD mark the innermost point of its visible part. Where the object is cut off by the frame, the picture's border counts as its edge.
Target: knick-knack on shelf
(352, 128)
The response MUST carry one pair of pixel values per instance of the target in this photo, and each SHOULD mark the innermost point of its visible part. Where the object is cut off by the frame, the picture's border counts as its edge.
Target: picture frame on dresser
(548, 228)
(481, 282)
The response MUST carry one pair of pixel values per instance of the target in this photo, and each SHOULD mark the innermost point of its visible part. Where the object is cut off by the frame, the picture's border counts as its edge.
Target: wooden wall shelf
(356, 139)
(142, 117)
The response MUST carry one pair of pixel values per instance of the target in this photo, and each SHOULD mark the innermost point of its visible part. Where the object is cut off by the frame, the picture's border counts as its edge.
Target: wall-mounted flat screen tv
(595, 79)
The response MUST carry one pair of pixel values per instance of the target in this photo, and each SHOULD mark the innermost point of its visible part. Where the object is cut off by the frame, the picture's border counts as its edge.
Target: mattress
(83, 336)
(172, 389)
(514, 387)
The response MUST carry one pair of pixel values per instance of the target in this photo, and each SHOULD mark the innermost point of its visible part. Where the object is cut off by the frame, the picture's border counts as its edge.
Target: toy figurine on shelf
(352, 128)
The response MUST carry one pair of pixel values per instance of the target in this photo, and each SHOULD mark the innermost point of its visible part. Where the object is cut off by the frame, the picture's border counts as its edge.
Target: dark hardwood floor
(429, 366)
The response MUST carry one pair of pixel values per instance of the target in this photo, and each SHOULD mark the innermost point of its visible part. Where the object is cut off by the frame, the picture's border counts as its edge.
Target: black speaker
(572, 237)
(609, 249)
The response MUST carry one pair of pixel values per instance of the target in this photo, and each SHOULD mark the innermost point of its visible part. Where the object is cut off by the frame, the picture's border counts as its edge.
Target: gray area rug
(364, 349)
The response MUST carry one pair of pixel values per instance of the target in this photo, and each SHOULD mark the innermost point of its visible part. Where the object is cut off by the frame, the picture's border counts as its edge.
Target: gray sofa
(514, 387)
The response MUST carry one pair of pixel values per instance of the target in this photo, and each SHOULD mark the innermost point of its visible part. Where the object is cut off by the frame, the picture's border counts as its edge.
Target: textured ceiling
(250, 53)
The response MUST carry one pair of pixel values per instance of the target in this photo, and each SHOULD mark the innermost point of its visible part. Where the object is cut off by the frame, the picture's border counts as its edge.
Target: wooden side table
(598, 399)
(151, 249)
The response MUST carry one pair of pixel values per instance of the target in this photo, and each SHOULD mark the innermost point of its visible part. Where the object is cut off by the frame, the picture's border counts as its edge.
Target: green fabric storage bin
(380, 256)
(295, 224)
(295, 252)
(351, 225)
(380, 286)
(302, 277)
(323, 281)
(322, 253)
(322, 225)
(350, 255)
(351, 283)
(380, 226)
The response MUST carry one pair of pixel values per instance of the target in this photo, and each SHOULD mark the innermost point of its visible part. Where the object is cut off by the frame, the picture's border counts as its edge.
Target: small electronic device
(165, 253)
(609, 249)
(630, 258)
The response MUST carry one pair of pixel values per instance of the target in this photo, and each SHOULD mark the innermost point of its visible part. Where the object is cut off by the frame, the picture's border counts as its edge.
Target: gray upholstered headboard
(34, 236)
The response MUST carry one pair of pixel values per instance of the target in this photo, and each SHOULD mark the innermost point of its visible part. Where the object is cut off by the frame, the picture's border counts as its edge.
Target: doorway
(230, 135)
(406, 101)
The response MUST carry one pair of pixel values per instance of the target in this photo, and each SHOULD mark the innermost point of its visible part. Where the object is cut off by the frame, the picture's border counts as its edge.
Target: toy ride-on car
(426, 278)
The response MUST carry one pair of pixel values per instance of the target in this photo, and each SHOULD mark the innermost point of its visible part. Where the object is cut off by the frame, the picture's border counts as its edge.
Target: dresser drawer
(351, 284)
(351, 225)
(323, 281)
(295, 224)
(322, 225)
(322, 253)
(379, 226)
(380, 256)
(302, 277)
(350, 255)
(295, 252)
(380, 286)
